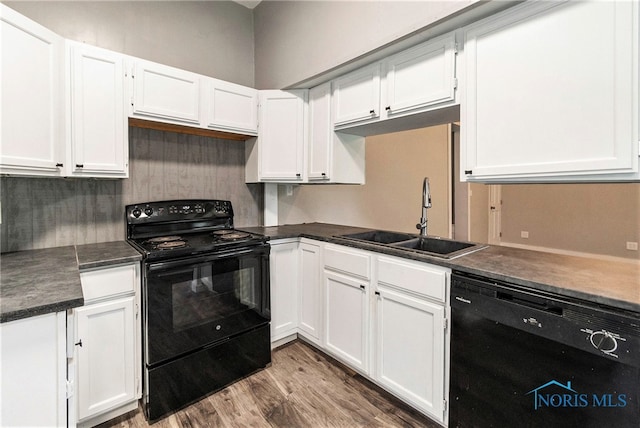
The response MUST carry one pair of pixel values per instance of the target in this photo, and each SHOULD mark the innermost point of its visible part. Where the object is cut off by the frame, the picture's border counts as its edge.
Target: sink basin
(442, 247)
(379, 236)
(430, 245)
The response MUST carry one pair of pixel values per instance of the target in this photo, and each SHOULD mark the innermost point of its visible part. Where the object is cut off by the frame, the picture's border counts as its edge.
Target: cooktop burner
(231, 235)
(169, 245)
(164, 239)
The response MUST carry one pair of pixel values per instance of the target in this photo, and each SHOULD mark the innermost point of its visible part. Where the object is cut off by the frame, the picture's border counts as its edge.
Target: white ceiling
(248, 3)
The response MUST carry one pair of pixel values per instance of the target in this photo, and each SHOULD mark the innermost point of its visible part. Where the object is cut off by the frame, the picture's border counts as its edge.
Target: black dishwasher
(526, 358)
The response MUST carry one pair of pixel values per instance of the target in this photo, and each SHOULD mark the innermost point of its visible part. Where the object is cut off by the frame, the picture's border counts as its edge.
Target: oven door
(201, 301)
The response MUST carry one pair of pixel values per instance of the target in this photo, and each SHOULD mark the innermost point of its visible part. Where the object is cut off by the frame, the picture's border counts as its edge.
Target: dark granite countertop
(105, 254)
(611, 283)
(37, 282)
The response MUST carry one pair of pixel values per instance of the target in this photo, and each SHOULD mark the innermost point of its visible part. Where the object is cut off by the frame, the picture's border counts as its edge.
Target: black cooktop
(173, 229)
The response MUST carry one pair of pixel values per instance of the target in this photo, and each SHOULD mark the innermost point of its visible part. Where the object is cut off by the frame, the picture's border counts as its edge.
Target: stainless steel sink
(431, 245)
(379, 236)
(439, 247)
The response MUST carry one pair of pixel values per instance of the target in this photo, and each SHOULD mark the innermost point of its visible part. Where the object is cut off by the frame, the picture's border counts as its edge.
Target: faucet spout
(426, 203)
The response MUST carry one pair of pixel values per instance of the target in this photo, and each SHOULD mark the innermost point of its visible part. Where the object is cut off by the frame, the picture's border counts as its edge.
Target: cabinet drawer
(111, 281)
(347, 261)
(419, 278)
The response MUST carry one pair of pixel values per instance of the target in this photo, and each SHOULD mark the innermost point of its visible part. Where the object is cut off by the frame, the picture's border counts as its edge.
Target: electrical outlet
(524, 234)
(633, 246)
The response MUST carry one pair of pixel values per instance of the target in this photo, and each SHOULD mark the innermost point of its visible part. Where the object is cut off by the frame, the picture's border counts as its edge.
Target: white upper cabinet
(31, 119)
(320, 133)
(231, 107)
(98, 122)
(356, 96)
(278, 152)
(420, 77)
(551, 90)
(165, 93)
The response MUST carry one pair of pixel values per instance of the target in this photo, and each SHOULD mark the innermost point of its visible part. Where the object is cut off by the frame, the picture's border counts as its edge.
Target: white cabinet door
(320, 133)
(31, 108)
(33, 366)
(346, 319)
(410, 350)
(106, 373)
(165, 93)
(420, 77)
(99, 130)
(281, 136)
(356, 96)
(283, 265)
(310, 288)
(547, 95)
(232, 107)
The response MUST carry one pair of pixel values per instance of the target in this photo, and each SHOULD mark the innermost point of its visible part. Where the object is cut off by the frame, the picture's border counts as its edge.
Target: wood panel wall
(50, 212)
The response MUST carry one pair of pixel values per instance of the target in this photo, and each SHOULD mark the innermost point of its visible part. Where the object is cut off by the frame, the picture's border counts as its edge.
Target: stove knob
(136, 212)
(604, 341)
(148, 211)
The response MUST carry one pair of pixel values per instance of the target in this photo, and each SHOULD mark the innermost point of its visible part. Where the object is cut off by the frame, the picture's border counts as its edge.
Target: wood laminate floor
(302, 388)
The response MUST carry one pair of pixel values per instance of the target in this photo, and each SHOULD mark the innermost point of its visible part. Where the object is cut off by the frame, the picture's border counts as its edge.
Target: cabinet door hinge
(137, 310)
(69, 389)
(446, 323)
(455, 83)
(455, 48)
(444, 405)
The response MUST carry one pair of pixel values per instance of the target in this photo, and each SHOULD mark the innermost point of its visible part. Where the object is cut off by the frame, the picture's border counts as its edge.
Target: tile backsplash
(49, 212)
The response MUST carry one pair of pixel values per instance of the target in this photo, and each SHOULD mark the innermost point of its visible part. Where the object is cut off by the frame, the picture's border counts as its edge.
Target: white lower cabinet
(404, 322)
(107, 339)
(347, 277)
(346, 323)
(33, 371)
(283, 265)
(410, 334)
(310, 291)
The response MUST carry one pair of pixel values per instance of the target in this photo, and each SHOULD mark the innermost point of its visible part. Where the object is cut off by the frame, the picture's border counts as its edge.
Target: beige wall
(392, 196)
(296, 40)
(214, 38)
(591, 218)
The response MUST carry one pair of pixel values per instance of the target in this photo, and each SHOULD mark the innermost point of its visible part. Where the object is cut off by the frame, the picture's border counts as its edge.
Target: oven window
(192, 305)
(212, 295)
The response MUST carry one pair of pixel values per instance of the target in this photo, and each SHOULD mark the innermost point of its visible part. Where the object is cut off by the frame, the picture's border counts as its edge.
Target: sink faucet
(426, 203)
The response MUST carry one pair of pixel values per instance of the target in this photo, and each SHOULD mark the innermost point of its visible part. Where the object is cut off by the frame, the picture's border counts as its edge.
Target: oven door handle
(167, 265)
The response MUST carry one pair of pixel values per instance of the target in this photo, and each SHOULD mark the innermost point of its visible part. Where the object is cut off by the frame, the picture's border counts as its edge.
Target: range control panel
(151, 212)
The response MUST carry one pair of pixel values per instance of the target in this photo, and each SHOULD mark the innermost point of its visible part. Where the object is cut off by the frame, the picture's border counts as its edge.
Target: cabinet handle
(324, 174)
(298, 175)
(59, 165)
(372, 112)
(377, 293)
(79, 343)
(468, 171)
(361, 287)
(387, 108)
(79, 165)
